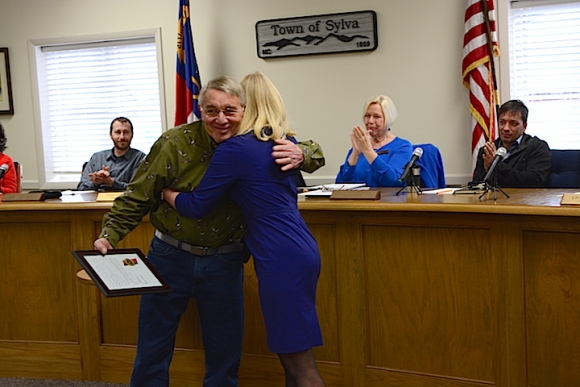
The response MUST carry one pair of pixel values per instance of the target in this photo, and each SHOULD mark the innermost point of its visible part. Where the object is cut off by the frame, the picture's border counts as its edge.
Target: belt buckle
(199, 250)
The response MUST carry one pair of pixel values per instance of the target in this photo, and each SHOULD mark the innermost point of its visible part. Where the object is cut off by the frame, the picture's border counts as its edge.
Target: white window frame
(47, 179)
(504, 9)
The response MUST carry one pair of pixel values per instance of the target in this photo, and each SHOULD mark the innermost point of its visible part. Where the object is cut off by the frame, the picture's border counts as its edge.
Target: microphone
(3, 170)
(417, 153)
(499, 155)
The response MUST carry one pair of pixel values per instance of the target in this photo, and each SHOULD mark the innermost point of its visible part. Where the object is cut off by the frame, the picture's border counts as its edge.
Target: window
(82, 86)
(544, 50)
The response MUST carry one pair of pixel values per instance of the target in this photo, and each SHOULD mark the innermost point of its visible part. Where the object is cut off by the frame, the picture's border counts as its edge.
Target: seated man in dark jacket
(528, 160)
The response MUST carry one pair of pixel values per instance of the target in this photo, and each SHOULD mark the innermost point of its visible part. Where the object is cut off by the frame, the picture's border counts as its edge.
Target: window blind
(83, 87)
(545, 68)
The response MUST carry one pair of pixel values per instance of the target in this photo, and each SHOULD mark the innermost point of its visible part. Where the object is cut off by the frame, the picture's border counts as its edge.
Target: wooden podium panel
(38, 303)
(423, 297)
(552, 277)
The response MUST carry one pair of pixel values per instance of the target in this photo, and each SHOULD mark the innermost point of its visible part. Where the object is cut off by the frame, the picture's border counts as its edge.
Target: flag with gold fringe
(479, 47)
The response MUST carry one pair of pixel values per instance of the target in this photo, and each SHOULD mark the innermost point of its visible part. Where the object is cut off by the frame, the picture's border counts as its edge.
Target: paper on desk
(69, 192)
(441, 191)
(317, 193)
(333, 187)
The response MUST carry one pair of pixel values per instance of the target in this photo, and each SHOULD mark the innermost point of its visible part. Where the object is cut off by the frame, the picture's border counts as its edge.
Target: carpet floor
(21, 382)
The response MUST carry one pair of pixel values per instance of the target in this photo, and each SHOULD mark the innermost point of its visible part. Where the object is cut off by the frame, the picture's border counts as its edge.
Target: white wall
(417, 63)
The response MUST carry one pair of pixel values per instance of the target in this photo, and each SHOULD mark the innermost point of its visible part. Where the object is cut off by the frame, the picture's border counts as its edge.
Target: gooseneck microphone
(3, 170)
(499, 155)
(417, 153)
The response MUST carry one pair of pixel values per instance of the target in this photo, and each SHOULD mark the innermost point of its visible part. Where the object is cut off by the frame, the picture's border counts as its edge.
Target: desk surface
(87, 200)
(520, 201)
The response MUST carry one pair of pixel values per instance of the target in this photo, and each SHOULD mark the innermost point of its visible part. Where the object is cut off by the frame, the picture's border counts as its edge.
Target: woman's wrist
(353, 158)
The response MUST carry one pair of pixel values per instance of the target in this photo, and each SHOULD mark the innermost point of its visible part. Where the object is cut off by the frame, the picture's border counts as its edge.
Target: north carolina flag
(479, 48)
(187, 80)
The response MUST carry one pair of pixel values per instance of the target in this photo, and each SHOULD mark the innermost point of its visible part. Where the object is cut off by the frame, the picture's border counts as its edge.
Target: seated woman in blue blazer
(377, 157)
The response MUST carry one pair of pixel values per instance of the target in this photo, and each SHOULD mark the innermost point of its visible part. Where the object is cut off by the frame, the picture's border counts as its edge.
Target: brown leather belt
(233, 247)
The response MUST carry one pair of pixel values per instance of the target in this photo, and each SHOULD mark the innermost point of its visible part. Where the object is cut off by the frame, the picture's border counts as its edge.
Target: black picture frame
(83, 256)
(6, 102)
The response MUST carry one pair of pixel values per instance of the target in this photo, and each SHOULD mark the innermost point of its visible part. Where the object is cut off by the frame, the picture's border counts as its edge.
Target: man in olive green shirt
(198, 258)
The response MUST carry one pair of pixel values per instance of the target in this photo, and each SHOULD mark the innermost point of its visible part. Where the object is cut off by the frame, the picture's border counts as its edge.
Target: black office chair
(300, 180)
(565, 172)
(18, 169)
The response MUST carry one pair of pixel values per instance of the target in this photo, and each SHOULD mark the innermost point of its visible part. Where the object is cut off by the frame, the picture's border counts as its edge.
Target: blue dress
(385, 169)
(286, 256)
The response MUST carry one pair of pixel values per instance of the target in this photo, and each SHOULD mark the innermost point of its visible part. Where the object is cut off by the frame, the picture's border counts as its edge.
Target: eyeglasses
(228, 112)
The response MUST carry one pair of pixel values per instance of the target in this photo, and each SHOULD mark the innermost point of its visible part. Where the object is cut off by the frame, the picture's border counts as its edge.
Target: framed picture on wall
(6, 105)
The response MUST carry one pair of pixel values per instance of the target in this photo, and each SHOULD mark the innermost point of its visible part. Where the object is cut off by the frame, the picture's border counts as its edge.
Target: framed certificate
(121, 272)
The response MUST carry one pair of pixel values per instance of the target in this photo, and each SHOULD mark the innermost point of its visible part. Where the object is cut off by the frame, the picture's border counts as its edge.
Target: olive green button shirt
(178, 160)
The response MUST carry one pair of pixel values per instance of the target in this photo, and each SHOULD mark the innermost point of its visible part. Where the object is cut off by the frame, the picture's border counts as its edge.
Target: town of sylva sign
(321, 34)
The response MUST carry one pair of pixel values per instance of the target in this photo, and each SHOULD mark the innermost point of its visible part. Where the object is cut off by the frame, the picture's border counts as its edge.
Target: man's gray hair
(226, 84)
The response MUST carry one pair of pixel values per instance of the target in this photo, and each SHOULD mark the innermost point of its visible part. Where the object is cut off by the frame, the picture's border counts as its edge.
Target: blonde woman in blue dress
(286, 256)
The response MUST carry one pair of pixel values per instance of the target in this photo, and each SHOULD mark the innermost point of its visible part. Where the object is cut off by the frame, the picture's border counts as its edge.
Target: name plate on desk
(573, 198)
(356, 194)
(23, 197)
(108, 196)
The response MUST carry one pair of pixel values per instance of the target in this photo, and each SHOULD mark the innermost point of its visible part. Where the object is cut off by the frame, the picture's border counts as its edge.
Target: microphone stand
(492, 187)
(411, 180)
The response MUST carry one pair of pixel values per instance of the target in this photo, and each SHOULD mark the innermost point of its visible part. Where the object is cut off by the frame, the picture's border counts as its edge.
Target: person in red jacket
(7, 170)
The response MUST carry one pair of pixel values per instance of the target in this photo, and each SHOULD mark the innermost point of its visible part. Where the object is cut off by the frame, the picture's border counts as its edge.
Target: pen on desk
(302, 190)
(444, 191)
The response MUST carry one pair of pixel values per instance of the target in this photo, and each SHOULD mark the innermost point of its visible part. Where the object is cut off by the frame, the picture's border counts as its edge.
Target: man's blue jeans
(216, 282)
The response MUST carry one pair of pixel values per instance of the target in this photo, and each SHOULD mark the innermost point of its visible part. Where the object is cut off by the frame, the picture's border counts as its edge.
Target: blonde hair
(387, 106)
(264, 109)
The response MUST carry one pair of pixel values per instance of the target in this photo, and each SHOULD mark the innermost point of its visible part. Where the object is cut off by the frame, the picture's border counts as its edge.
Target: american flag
(187, 80)
(479, 45)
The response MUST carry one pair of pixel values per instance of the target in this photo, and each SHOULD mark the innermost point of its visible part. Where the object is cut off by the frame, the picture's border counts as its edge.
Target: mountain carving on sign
(297, 41)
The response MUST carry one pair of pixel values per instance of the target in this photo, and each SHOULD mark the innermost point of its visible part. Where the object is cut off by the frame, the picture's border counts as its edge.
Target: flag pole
(489, 39)
(187, 80)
